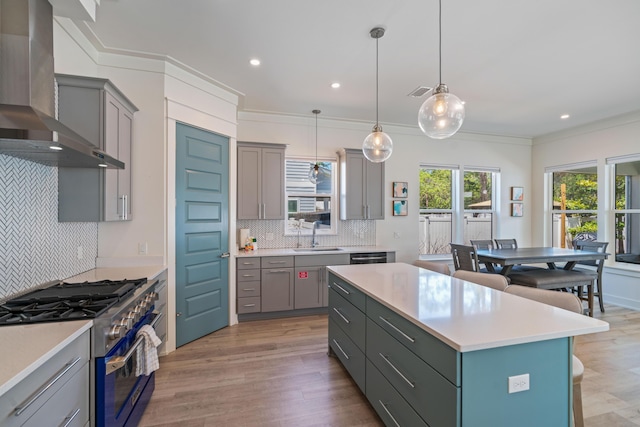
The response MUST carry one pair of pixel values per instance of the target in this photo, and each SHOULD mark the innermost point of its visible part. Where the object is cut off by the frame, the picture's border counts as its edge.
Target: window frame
(333, 198)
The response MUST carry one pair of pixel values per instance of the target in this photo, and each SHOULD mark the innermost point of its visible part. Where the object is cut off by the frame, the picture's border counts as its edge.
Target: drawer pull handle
(278, 271)
(249, 305)
(389, 413)
(23, 407)
(386, 359)
(340, 348)
(248, 263)
(67, 421)
(277, 262)
(248, 275)
(341, 288)
(396, 329)
(347, 321)
(249, 289)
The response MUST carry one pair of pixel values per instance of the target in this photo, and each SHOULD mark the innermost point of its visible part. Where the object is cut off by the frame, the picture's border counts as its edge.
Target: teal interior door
(202, 233)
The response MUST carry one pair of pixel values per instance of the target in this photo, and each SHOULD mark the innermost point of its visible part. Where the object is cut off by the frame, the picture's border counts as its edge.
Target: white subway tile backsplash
(34, 246)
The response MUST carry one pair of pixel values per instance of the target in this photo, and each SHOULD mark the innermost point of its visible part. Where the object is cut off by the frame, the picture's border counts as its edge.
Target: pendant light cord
(440, 40)
(377, 81)
(316, 137)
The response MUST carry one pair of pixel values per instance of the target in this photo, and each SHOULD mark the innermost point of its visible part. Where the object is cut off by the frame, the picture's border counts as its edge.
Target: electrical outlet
(142, 248)
(518, 383)
(396, 235)
(80, 252)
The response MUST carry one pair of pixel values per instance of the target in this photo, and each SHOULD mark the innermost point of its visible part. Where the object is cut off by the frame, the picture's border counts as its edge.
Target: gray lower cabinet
(308, 287)
(277, 289)
(100, 113)
(55, 394)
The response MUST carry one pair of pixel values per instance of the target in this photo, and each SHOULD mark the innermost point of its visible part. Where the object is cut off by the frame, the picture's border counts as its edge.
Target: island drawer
(249, 305)
(347, 291)
(435, 399)
(348, 353)
(248, 263)
(248, 289)
(437, 354)
(248, 276)
(277, 262)
(351, 320)
(388, 403)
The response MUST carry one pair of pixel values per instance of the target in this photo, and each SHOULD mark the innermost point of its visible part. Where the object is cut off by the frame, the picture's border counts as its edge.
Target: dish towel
(147, 354)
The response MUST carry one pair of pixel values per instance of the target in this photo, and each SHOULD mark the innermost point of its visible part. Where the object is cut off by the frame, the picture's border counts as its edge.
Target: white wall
(411, 148)
(597, 141)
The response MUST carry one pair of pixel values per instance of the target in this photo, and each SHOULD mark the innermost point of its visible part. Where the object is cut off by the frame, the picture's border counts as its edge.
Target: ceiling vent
(419, 91)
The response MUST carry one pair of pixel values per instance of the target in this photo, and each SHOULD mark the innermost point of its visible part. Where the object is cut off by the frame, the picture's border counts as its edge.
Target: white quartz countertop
(118, 273)
(320, 250)
(27, 347)
(464, 315)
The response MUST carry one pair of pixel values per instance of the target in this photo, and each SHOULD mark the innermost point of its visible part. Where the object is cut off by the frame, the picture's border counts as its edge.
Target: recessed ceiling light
(254, 62)
(564, 116)
(335, 85)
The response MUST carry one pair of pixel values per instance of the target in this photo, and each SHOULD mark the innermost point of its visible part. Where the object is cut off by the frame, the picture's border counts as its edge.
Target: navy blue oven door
(121, 396)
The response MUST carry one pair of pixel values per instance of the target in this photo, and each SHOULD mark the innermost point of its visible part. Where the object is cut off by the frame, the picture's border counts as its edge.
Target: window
(442, 221)
(626, 185)
(437, 195)
(478, 205)
(575, 203)
(308, 202)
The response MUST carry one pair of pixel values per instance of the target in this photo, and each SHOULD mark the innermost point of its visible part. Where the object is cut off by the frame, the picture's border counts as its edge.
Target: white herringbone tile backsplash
(34, 246)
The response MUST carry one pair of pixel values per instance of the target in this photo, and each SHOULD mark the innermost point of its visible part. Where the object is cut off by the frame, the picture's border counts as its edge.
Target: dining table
(507, 258)
(552, 278)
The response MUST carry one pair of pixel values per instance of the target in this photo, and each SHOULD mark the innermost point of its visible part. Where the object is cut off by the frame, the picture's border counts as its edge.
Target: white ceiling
(518, 64)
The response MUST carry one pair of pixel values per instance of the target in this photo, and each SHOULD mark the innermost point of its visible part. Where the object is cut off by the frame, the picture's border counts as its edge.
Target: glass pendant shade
(441, 115)
(314, 173)
(377, 146)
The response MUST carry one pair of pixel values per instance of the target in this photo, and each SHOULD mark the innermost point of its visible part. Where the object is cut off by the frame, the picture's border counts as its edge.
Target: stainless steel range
(118, 309)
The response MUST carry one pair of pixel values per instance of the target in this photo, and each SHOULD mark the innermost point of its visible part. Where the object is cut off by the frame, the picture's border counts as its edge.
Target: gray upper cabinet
(98, 111)
(362, 186)
(260, 181)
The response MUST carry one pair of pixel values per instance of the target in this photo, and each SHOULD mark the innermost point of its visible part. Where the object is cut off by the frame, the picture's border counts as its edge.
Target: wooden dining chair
(485, 245)
(593, 246)
(506, 243)
(464, 257)
(566, 301)
(494, 281)
(438, 267)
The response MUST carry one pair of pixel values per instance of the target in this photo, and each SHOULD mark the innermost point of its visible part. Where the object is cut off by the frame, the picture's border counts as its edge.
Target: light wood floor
(276, 373)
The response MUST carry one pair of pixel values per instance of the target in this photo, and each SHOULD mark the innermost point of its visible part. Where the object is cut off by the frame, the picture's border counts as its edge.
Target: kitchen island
(428, 349)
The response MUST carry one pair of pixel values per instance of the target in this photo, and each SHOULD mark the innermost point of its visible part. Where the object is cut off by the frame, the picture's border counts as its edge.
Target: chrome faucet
(314, 242)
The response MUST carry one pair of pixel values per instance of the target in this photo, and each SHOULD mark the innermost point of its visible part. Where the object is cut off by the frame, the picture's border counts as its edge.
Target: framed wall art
(516, 209)
(400, 189)
(400, 208)
(517, 194)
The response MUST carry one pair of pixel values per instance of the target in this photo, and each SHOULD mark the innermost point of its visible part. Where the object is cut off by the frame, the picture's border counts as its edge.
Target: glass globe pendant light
(377, 146)
(314, 171)
(442, 114)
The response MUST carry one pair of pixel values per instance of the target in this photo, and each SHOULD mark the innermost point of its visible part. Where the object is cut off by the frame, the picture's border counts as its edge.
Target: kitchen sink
(317, 249)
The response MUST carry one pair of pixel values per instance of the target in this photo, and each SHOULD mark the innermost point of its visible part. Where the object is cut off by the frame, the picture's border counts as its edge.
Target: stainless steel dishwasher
(368, 258)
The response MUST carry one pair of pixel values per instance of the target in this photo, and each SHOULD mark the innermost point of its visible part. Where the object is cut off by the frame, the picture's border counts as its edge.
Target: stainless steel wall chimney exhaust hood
(28, 129)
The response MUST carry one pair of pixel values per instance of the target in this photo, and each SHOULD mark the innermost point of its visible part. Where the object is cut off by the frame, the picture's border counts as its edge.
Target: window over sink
(308, 202)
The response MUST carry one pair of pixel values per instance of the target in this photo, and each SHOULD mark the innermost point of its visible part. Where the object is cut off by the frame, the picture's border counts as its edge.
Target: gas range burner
(66, 301)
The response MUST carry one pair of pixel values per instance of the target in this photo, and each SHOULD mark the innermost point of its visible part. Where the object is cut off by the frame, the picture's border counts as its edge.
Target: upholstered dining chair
(464, 257)
(593, 246)
(438, 267)
(566, 301)
(494, 281)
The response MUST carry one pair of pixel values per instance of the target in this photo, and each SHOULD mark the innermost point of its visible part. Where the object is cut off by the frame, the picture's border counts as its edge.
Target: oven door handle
(115, 363)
